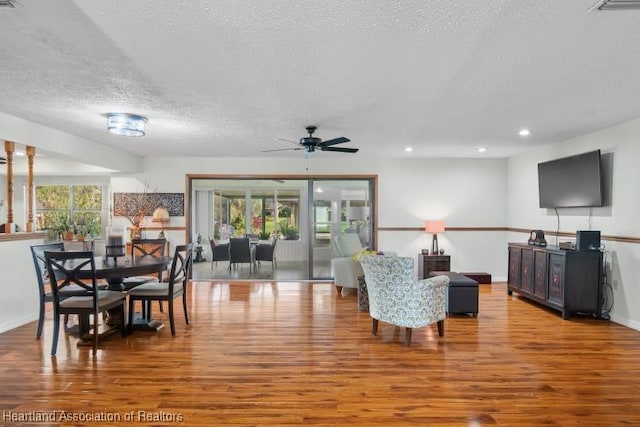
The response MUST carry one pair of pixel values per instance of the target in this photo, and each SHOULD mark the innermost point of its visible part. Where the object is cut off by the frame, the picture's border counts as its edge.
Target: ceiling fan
(311, 143)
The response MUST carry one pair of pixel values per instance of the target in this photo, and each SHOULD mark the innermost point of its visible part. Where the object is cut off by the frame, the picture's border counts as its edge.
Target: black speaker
(587, 240)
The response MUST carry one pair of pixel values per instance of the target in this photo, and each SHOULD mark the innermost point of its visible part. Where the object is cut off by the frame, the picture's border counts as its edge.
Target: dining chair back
(40, 264)
(166, 291)
(240, 252)
(77, 270)
(144, 247)
(219, 252)
(267, 252)
(153, 247)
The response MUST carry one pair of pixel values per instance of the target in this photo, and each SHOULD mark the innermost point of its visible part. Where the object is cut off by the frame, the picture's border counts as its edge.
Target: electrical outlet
(614, 283)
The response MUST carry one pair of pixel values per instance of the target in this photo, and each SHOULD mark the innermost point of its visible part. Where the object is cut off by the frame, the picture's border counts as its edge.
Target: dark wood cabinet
(429, 263)
(566, 280)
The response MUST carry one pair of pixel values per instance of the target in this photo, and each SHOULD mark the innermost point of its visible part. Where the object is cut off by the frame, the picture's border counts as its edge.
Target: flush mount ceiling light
(126, 124)
(524, 132)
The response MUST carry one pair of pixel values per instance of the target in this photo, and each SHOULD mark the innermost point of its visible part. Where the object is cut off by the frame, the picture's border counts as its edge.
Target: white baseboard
(4, 327)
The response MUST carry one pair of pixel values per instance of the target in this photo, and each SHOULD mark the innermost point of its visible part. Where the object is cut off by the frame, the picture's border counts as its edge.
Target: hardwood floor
(292, 353)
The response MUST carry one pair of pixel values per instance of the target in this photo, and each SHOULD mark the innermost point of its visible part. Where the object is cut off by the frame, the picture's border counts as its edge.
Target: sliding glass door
(304, 213)
(338, 206)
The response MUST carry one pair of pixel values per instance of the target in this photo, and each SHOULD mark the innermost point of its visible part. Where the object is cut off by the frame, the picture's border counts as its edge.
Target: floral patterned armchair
(397, 298)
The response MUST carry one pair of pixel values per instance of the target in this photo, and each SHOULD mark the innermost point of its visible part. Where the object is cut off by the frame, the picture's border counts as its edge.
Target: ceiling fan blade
(339, 149)
(284, 149)
(334, 141)
(286, 140)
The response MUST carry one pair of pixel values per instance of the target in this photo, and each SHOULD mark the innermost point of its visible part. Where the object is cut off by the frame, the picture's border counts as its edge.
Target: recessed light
(19, 153)
(524, 132)
(408, 149)
(482, 149)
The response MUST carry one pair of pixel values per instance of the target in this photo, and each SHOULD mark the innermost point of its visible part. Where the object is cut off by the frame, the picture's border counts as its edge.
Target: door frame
(373, 178)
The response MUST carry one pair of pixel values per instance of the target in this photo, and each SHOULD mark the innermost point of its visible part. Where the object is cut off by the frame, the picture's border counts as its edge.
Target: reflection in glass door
(338, 206)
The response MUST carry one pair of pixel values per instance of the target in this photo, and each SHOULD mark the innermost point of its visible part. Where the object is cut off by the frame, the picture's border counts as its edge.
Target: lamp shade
(434, 226)
(161, 215)
(126, 124)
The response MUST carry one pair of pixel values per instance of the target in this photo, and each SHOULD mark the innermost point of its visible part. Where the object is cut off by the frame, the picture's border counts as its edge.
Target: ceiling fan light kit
(310, 144)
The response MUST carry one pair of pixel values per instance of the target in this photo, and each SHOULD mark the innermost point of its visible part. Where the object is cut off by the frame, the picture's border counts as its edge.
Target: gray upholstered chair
(344, 268)
(397, 298)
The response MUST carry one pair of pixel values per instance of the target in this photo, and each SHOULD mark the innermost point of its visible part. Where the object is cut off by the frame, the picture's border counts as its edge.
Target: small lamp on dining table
(434, 227)
(161, 215)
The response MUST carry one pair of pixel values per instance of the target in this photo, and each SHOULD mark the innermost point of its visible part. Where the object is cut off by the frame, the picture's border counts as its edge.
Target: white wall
(621, 154)
(18, 284)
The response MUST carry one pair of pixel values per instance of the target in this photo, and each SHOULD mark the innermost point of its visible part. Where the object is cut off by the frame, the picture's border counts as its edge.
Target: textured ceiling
(225, 78)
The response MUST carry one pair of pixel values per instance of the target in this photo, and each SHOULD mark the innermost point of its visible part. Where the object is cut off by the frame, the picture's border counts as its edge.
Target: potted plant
(264, 235)
(68, 232)
(59, 225)
(289, 232)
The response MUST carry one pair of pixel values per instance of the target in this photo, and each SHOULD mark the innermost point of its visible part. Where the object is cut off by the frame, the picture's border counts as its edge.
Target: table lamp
(161, 215)
(434, 227)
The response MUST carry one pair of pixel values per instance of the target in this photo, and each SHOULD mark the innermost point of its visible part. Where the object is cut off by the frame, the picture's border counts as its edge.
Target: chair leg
(95, 335)
(161, 308)
(339, 289)
(123, 324)
(171, 321)
(374, 327)
(184, 306)
(441, 328)
(56, 330)
(130, 324)
(407, 336)
(40, 320)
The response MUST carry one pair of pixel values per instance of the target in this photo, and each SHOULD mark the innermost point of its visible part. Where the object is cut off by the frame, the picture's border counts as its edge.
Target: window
(76, 208)
(269, 211)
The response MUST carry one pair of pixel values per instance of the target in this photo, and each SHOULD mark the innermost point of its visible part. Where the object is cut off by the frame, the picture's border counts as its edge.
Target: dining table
(114, 270)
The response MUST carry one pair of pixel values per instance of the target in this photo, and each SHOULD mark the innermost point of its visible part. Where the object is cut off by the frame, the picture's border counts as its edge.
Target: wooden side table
(429, 263)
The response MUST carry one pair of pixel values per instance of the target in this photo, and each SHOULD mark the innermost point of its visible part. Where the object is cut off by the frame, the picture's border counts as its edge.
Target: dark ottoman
(463, 293)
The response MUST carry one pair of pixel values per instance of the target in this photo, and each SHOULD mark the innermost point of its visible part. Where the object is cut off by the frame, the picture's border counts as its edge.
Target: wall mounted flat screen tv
(569, 182)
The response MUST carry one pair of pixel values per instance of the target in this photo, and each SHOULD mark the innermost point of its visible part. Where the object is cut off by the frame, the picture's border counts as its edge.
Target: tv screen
(573, 181)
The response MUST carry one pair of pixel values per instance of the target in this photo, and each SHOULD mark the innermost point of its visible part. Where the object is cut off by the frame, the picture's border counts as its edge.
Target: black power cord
(607, 289)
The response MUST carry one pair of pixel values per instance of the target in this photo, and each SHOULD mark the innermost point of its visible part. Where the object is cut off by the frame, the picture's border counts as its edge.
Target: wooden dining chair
(42, 276)
(144, 247)
(40, 264)
(77, 270)
(166, 291)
